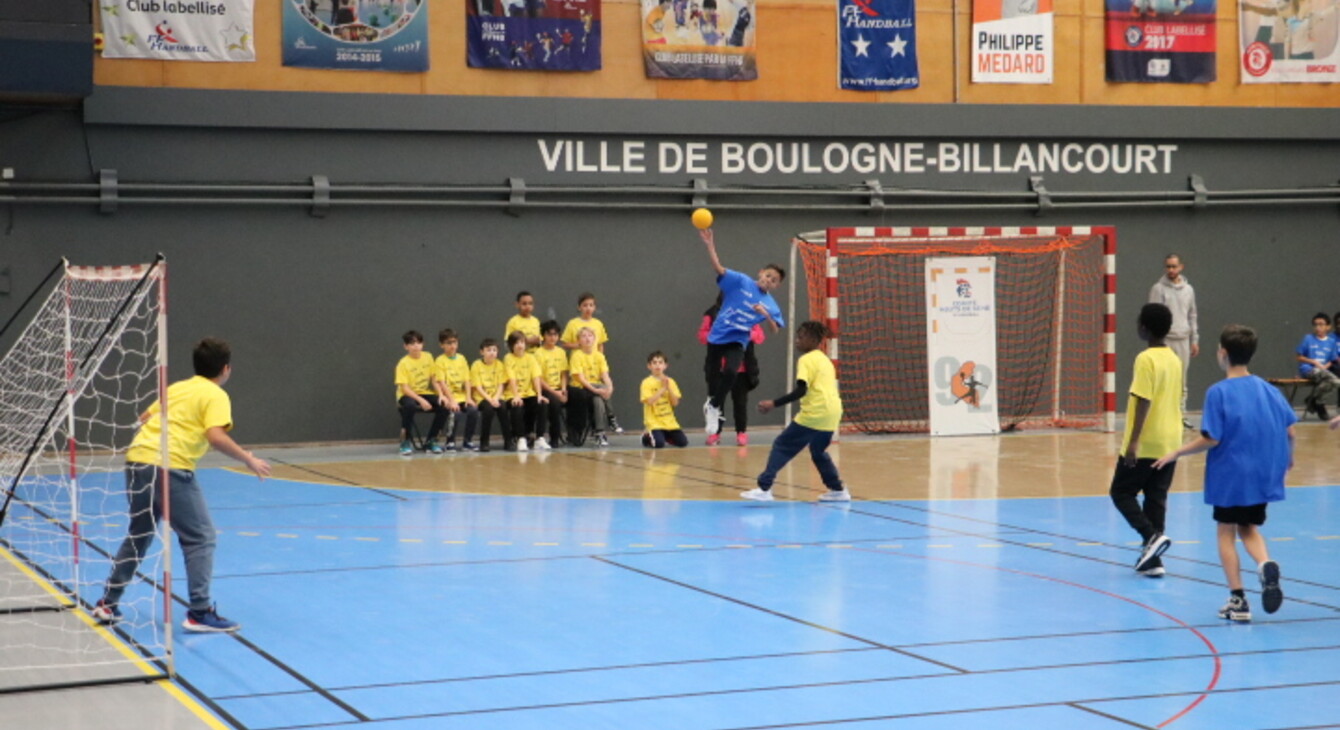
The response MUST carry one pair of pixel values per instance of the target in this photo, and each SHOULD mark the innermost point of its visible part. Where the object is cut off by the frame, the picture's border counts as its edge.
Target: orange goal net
(1055, 291)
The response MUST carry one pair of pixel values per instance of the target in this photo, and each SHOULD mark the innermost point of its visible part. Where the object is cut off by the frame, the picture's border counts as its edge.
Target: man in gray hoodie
(1175, 292)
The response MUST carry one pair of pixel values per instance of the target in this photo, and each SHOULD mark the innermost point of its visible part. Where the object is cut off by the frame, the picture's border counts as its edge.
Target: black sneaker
(1236, 610)
(1271, 595)
(1322, 413)
(1155, 546)
(1154, 569)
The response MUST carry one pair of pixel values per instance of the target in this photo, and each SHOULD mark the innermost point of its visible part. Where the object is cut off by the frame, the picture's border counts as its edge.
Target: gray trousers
(1182, 348)
(189, 518)
(1326, 381)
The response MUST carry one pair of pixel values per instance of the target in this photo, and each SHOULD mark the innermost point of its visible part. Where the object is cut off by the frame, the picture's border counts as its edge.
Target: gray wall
(315, 306)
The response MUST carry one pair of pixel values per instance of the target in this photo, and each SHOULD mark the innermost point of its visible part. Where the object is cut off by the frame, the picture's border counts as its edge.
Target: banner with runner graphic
(1289, 41)
(961, 345)
(533, 34)
(877, 45)
(1161, 40)
(179, 30)
(699, 39)
(1012, 41)
(357, 35)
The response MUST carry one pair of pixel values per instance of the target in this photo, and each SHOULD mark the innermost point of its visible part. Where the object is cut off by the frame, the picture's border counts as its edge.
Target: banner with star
(1012, 41)
(1161, 40)
(533, 34)
(356, 35)
(699, 39)
(179, 30)
(877, 45)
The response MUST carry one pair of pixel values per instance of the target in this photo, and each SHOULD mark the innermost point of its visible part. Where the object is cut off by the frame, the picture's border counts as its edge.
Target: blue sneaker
(406, 447)
(208, 621)
(434, 447)
(106, 613)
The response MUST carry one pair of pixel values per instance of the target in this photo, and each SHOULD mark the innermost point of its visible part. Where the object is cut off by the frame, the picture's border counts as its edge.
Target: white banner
(1289, 41)
(179, 30)
(961, 345)
(1012, 41)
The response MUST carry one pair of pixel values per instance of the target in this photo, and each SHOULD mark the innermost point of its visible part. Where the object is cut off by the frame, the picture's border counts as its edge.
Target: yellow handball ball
(702, 218)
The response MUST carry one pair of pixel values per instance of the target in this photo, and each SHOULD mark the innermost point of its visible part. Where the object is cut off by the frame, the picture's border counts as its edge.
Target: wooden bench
(1290, 387)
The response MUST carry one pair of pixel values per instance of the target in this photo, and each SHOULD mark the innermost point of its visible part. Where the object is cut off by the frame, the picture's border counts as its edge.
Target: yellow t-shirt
(194, 407)
(575, 326)
(455, 373)
(524, 370)
(658, 416)
(529, 325)
(553, 364)
(821, 406)
(592, 366)
(417, 373)
(1158, 379)
(487, 377)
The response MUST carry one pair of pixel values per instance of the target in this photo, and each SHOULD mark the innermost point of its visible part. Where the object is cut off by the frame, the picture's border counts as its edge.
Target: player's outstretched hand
(707, 236)
(765, 405)
(1335, 423)
(260, 466)
(1166, 459)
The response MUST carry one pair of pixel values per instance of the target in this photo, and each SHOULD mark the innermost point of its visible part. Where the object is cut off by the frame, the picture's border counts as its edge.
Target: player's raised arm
(710, 240)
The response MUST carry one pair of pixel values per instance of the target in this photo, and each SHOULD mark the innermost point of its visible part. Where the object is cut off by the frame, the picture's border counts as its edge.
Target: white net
(72, 387)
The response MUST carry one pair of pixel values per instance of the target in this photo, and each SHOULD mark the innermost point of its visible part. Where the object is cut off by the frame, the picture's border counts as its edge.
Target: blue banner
(877, 45)
(1161, 40)
(364, 35)
(552, 35)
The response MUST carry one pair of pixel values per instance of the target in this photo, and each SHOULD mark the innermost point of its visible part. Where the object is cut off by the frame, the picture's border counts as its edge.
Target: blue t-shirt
(737, 317)
(1323, 350)
(1250, 420)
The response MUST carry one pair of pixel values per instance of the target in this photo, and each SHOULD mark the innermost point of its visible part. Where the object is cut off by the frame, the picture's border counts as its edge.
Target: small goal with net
(74, 380)
(1055, 298)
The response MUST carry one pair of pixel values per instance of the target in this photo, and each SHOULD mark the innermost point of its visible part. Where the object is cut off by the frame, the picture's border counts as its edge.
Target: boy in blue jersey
(1316, 354)
(1248, 430)
(745, 302)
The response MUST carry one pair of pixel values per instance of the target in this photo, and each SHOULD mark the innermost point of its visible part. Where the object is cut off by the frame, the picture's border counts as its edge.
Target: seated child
(452, 380)
(414, 390)
(527, 415)
(586, 309)
(490, 380)
(660, 395)
(590, 390)
(553, 385)
(524, 320)
(1316, 353)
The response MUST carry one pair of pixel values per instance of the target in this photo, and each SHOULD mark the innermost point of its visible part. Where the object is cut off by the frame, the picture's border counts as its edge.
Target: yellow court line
(136, 660)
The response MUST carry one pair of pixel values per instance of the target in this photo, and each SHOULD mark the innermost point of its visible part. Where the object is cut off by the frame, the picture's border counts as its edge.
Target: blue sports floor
(391, 609)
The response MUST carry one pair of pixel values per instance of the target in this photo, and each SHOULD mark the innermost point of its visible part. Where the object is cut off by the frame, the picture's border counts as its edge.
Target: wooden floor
(1020, 465)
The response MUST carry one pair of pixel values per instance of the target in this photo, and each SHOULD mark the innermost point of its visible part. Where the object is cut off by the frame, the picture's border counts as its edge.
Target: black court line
(1105, 715)
(334, 478)
(778, 614)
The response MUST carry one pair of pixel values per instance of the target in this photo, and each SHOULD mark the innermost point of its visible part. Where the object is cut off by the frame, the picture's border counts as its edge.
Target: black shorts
(1252, 515)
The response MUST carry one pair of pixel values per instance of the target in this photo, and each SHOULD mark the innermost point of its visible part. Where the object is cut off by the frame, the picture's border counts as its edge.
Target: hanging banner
(1012, 41)
(1161, 40)
(699, 39)
(961, 345)
(533, 34)
(1289, 41)
(877, 45)
(179, 30)
(358, 35)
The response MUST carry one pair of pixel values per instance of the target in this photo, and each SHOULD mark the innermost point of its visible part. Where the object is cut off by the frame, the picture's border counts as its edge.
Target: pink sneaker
(714, 439)
(741, 439)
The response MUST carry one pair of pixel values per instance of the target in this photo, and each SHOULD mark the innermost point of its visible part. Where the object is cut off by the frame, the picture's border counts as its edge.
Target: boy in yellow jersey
(660, 394)
(820, 413)
(415, 392)
(524, 320)
(527, 414)
(586, 310)
(590, 390)
(1153, 428)
(451, 378)
(201, 416)
(553, 384)
(490, 380)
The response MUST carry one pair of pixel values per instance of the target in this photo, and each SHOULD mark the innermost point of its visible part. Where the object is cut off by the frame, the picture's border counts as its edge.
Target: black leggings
(409, 407)
(730, 356)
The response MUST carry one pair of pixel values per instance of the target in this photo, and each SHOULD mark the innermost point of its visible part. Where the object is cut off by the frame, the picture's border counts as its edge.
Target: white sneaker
(711, 418)
(541, 444)
(521, 445)
(836, 495)
(758, 495)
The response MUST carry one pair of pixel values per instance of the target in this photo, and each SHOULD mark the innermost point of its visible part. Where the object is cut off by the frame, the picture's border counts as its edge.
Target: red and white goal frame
(829, 254)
